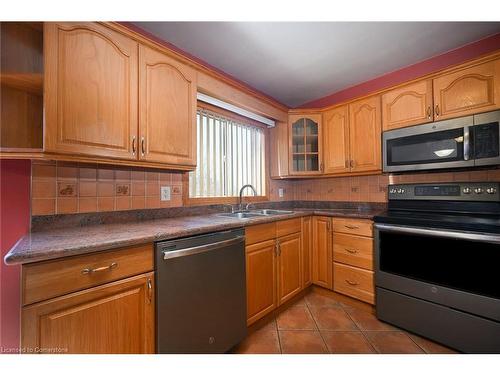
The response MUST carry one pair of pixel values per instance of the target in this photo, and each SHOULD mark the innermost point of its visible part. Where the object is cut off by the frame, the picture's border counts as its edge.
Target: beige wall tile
(137, 175)
(43, 188)
(43, 206)
(87, 204)
(152, 189)
(123, 203)
(122, 175)
(105, 173)
(88, 173)
(67, 205)
(153, 202)
(138, 189)
(43, 171)
(106, 204)
(87, 188)
(138, 203)
(106, 189)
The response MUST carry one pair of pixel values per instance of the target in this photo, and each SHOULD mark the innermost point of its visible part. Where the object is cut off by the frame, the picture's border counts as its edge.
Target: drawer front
(353, 250)
(358, 227)
(286, 227)
(354, 282)
(45, 280)
(260, 233)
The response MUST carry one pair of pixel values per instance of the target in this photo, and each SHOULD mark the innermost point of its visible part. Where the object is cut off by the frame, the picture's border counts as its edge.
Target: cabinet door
(408, 105)
(113, 318)
(305, 144)
(289, 266)
(167, 109)
(261, 279)
(472, 90)
(364, 134)
(278, 150)
(336, 140)
(90, 90)
(322, 252)
(306, 251)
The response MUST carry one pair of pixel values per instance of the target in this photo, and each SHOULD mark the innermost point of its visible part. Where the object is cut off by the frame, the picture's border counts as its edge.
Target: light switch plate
(165, 193)
(281, 192)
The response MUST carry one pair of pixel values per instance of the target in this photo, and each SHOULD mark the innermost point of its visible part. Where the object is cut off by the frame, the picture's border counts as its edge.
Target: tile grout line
(319, 331)
(416, 343)
(360, 330)
(278, 334)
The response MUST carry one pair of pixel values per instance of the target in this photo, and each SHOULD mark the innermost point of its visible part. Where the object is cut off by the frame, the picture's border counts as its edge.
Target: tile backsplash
(63, 188)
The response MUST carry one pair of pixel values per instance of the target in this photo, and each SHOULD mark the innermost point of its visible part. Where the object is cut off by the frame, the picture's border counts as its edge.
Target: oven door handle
(466, 143)
(471, 236)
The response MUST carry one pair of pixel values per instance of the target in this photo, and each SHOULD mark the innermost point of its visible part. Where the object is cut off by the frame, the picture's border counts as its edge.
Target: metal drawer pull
(352, 251)
(150, 290)
(87, 271)
(353, 283)
(351, 226)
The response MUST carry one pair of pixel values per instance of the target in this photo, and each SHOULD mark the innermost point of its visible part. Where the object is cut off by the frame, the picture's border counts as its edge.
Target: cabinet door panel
(289, 265)
(113, 318)
(90, 90)
(167, 109)
(408, 105)
(305, 134)
(468, 91)
(261, 279)
(322, 252)
(278, 150)
(306, 251)
(365, 132)
(336, 140)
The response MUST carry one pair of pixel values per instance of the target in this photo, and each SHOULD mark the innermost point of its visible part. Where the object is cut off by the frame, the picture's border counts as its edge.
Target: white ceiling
(296, 62)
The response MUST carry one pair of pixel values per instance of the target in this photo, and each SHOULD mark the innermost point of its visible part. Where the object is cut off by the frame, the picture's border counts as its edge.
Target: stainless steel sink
(268, 212)
(242, 215)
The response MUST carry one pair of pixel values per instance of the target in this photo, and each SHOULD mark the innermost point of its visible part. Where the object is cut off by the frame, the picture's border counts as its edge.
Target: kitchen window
(230, 154)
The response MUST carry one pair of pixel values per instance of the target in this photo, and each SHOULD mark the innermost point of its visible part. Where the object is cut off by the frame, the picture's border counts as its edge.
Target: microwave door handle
(466, 143)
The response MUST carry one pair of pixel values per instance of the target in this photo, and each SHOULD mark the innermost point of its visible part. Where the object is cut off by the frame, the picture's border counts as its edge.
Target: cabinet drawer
(54, 278)
(354, 282)
(353, 250)
(286, 227)
(353, 226)
(260, 233)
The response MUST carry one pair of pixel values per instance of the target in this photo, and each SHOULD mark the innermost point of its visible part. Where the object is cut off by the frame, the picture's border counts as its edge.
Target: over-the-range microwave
(457, 143)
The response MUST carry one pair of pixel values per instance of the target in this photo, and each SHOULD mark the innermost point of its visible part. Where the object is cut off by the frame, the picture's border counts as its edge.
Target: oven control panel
(459, 191)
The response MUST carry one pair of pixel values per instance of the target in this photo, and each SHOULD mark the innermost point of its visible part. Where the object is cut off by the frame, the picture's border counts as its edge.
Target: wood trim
(230, 115)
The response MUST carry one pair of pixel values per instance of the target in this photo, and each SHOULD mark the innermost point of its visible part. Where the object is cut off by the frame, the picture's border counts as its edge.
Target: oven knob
(491, 190)
(478, 190)
(466, 190)
(400, 191)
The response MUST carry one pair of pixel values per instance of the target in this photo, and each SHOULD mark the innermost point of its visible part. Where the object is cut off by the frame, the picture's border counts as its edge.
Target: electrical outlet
(165, 193)
(281, 192)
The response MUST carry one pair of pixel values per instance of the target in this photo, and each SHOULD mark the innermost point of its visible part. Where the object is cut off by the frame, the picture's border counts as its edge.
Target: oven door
(444, 144)
(452, 268)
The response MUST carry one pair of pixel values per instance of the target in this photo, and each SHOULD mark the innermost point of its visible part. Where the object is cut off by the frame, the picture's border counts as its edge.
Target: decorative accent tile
(122, 189)
(66, 189)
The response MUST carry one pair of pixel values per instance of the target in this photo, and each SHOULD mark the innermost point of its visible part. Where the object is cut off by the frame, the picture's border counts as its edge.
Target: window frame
(197, 201)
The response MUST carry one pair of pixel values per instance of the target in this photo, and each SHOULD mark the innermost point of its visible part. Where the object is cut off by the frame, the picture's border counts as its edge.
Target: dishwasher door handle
(202, 248)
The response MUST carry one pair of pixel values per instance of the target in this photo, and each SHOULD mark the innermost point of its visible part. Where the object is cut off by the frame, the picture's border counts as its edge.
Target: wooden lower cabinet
(261, 279)
(354, 281)
(322, 252)
(307, 223)
(289, 266)
(117, 317)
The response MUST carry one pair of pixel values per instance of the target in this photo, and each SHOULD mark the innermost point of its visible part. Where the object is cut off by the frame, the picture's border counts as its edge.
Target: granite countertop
(76, 240)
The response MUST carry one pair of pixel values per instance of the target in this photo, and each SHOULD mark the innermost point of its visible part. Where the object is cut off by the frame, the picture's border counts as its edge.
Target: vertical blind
(230, 155)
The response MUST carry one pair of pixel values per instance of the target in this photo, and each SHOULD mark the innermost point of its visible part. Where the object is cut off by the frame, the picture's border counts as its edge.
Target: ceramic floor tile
(296, 317)
(367, 321)
(393, 343)
(302, 342)
(316, 299)
(263, 341)
(347, 343)
(332, 318)
(431, 347)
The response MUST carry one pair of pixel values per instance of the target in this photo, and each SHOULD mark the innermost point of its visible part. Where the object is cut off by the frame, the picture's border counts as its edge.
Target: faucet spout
(241, 192)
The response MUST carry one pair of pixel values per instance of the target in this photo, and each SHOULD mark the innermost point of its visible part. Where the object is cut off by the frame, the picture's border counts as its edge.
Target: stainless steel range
(437, 263)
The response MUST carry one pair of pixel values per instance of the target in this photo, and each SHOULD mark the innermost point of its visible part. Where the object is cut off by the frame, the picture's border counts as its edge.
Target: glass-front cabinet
(305, 144)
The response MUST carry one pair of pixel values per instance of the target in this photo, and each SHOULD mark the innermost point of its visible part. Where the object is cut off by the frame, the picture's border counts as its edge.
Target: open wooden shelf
(31, 82)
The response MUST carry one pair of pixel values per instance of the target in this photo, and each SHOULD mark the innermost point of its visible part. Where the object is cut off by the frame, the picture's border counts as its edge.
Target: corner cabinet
(322, 252)
(305, 144)
(90, 90)
(167, 109)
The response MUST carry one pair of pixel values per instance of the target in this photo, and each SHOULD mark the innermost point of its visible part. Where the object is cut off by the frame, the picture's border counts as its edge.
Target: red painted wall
(453, 57)
(14, 223)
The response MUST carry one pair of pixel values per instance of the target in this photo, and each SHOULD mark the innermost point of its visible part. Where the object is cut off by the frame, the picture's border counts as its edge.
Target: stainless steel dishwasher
(201, 293)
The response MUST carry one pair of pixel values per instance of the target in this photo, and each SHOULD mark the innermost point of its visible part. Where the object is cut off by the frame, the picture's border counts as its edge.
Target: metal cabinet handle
(150, 290)
(352, 251)
(353, 283)
(321, 167)
(436, 110)
(328, 225)
(87, 271)
(429, 112)
(133, 145)
(351, 226)
(143, 146)
(278, 248)
(352, 163)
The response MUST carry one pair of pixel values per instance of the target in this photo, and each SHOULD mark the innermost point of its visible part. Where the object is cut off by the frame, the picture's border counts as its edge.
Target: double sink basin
(256, 213)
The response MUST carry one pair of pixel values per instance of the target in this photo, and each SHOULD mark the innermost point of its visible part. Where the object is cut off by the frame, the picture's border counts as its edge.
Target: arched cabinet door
(90, 90)
(167, 109)
(467, 91)
(336, 140)
(305, 144)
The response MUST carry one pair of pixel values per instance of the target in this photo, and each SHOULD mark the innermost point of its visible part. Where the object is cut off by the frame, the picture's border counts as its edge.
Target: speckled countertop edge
(65, 242)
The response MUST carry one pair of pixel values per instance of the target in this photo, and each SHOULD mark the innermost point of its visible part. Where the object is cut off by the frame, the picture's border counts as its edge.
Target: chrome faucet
(241, 193)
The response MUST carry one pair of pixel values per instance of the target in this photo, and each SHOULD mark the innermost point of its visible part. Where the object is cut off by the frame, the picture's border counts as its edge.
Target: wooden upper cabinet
(167, 114)
(289, 266)
(305, 144)
(278, 150)
(336, 140)
(322, 262)
(364, 135)
(408, 105)
(115, 318)
(90, 90)
(467, 91)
